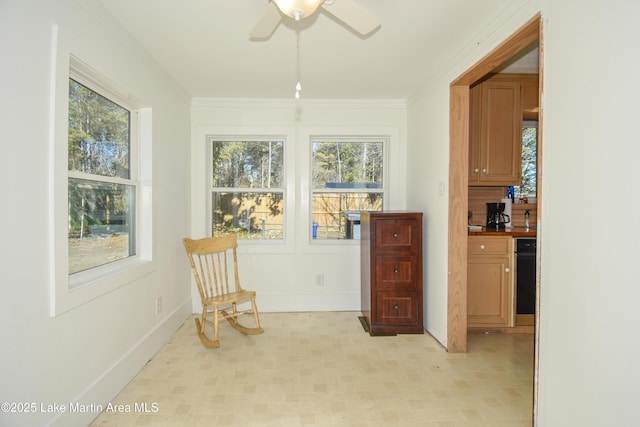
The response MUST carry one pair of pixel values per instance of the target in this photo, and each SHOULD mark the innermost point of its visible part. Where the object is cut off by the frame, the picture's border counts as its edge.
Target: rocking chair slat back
(211, 261)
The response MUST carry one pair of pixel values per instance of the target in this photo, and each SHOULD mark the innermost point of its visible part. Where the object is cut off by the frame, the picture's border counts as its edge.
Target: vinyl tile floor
(323, 369)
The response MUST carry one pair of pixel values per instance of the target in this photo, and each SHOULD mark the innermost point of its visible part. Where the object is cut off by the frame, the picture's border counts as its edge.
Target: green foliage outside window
(346, 162)
(528, 186)
(247, 180)
(347, 177)
(98, 133)
(101, 216)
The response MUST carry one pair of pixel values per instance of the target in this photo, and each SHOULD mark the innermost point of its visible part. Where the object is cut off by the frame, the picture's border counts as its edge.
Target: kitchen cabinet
(495, 132)
(530, 96)
(391, 272)
(490, 281)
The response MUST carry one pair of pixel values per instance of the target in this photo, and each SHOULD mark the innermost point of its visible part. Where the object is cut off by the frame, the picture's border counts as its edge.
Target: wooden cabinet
(391, 272)
(495, 132)
(490, 281)
(530, 96)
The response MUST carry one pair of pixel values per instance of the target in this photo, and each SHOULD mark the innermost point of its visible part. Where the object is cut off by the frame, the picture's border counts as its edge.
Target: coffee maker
(496, 218)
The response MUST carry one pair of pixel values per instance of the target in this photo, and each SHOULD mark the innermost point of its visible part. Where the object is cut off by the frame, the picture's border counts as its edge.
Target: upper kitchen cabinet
(530, 96)
(495, 132)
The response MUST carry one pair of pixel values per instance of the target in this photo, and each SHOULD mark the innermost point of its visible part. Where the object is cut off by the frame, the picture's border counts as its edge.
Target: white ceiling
(205, 46)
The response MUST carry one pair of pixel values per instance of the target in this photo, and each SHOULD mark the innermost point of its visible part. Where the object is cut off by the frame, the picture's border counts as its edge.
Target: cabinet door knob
(484, 170)
(482, 247)
(476, 170)
(507, 269)
(395, 235)
(395, 306)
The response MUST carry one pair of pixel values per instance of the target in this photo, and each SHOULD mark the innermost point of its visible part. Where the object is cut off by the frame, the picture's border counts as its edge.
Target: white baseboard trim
(106, 387)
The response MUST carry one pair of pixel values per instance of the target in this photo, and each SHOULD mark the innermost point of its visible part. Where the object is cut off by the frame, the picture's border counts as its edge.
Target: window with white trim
(247, 187)
(101, 199)
(346, 178)
(102, 185)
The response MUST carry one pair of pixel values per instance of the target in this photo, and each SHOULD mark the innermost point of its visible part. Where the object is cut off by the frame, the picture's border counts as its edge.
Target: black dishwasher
(525, 276)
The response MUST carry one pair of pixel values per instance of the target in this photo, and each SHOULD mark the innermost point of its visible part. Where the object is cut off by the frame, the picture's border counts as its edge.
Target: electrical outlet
(158, 305)
(319, 279)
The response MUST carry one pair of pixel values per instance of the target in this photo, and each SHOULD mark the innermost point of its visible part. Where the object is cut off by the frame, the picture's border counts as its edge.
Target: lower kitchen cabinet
(490, 281)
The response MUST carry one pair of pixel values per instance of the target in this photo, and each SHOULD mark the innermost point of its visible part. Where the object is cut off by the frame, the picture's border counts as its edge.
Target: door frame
(459, 176)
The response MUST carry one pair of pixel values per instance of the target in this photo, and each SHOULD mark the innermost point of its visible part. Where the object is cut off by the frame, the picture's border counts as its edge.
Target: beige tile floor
(322, 369)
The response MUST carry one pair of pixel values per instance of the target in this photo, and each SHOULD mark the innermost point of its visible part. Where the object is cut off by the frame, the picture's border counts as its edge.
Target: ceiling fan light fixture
(298, 8)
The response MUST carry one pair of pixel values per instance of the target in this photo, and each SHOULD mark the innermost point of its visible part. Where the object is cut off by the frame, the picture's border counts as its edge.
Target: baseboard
(105, 388)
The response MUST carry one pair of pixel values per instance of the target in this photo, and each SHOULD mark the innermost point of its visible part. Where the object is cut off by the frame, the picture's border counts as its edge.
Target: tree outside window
(247, 188)
(101, 192)
(528, 186)
(346, 177)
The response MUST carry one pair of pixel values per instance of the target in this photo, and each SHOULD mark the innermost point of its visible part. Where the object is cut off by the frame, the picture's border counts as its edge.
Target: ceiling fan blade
(267, 24)
(353, 14)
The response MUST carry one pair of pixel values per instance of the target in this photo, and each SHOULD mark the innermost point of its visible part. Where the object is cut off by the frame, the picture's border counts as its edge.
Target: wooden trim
(458, 176)
(527, 34)
(525, 320)
(458, 208)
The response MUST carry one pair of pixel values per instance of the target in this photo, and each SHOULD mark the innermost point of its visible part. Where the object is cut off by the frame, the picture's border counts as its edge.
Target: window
(528, 186)
(101, 180)
(247, 187)
(346, 177)
(101, 186)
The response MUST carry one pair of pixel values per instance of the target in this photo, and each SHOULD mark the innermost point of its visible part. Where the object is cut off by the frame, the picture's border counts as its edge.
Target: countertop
(513, 232)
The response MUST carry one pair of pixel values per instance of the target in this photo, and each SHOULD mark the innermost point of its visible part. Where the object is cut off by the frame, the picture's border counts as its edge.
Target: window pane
(251, 215)
(247, 164)
(337, 163)
(98, 133)
(101, 223)
(336, 215)
(528, 186)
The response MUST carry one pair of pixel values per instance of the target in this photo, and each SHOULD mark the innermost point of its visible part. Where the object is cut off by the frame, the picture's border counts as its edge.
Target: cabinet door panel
(396, 272)
(396, 235)
(489, 245)
(393, 308)
(495, 127)
(489, 291)
(500, 148)
(475, 127)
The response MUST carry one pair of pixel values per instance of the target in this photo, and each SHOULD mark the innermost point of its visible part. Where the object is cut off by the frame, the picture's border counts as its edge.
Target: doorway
(459, 177)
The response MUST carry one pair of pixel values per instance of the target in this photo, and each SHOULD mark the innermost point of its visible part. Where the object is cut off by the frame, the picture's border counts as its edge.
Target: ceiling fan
(349, 12)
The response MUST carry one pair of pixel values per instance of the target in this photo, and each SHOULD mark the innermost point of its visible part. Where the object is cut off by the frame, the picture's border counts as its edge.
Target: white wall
(427, 174)
(428, 155)
(89, 353)
(283, 273)
(588, 351)
(589, 315)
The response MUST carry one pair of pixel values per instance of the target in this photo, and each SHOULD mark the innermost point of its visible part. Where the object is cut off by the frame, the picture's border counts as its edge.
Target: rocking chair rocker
(211, 258)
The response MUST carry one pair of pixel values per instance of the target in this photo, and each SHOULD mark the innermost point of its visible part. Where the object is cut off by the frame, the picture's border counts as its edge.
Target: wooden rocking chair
(211, 259)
